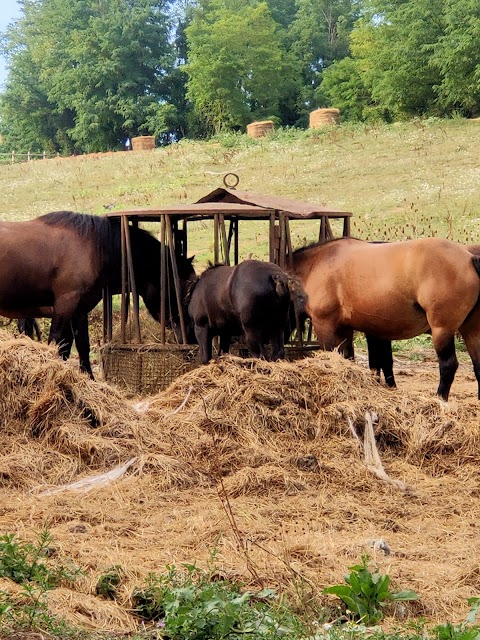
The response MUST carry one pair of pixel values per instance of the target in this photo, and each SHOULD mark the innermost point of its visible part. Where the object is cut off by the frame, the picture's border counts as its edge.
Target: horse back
(209, 302)
(359, 284)
(39, 262)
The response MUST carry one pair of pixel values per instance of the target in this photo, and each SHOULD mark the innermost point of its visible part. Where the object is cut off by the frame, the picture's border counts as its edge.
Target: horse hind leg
(253, 338)
(278, 345)
(470, 332)
(79, 332)
(444, 343)
(204, 339)
(380, 358)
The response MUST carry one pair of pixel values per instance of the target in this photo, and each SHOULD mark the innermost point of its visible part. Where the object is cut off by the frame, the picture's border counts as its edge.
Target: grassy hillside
(403, 180)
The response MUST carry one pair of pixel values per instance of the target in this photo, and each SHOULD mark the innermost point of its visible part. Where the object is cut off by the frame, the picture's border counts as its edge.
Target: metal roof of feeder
(232, 202)
(295, 209)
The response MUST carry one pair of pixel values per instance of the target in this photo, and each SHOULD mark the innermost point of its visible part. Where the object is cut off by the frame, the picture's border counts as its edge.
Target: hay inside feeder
(149, 368)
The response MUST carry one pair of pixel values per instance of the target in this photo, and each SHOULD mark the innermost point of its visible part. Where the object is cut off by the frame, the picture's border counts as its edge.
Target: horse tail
(280, 280)
(297, 294)
(476, 264)
(188, 290)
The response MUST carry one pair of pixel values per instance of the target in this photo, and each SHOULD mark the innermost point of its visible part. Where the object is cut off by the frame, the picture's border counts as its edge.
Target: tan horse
(394, 291)
(380, 356)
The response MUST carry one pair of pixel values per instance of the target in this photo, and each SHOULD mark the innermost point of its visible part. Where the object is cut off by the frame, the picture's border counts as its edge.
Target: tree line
(85, 75)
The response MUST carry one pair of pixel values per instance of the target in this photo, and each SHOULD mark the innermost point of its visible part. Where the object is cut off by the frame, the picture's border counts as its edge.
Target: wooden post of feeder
(176, 279)
(163, 279)
(131, 274)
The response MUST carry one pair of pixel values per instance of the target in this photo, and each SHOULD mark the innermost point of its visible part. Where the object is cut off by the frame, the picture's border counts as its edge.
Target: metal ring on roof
(233, 183)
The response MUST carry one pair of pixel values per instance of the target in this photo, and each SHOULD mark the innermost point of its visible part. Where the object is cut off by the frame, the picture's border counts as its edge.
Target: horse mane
(213, 265)
(321, 243)
(103, 232)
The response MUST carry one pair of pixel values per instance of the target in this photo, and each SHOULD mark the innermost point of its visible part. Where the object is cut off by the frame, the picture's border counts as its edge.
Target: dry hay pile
(57, 424)
(142, 143)
(244, 414)
(263, 462)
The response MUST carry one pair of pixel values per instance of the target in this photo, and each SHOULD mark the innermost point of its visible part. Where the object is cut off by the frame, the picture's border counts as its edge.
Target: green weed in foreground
(189, 603)
(192, 605)
(366, 593)
(27, 564)
(109, 582)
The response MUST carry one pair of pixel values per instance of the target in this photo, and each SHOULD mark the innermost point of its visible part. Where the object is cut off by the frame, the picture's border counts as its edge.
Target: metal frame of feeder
(224, 205)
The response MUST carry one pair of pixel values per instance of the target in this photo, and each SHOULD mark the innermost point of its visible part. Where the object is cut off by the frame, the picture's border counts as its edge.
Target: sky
(9, 11)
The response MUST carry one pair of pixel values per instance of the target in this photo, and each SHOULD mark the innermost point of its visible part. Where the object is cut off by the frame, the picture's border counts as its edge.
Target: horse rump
(251, 299)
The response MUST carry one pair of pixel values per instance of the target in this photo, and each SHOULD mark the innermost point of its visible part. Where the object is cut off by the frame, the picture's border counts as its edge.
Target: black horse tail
(280, 280)
(297, 314)
(188, 290)
(297, 294)
(476, 264)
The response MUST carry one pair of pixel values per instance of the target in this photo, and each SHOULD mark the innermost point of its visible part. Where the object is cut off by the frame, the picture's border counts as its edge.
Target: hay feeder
(148, 368)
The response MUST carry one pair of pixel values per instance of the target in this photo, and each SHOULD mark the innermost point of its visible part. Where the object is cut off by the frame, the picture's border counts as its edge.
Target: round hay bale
(260, 129)
(143, 143)
(324, 117)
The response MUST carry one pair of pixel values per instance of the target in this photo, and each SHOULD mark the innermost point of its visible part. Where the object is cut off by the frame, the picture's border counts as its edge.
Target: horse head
(297, 315)
(146, 252)
(188, 280)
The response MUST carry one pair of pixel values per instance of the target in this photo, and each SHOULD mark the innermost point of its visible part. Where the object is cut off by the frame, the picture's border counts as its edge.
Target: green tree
(238, 68)
(456, 56)
(102, 63)
(391, 48)
(28, 119)
(342, 86)
(318, 36)
(402, 78)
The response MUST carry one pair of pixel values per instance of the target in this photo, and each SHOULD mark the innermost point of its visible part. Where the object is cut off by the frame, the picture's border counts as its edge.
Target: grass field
(404, 180)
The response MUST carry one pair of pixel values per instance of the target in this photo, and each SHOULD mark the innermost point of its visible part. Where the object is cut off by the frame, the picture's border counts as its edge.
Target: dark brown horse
(393, 292)
(58, 264)
(251, 299)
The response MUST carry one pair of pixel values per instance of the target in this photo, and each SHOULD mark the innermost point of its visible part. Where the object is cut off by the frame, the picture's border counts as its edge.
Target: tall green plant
(97, 69)
(27, 564)
(238, 67)
(366, 593)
